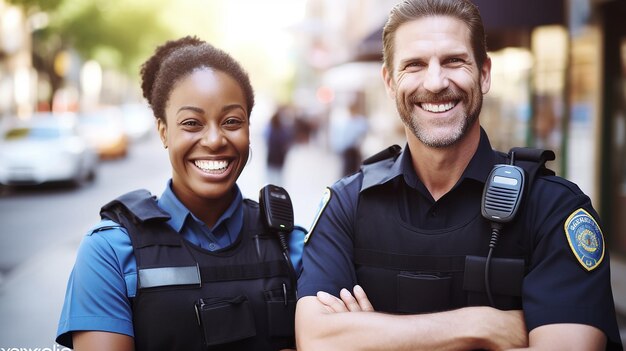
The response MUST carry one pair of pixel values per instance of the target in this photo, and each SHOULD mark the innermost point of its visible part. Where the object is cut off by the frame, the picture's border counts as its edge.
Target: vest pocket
(506, 278)
(223, 320)
(421, 292)
(281, 312)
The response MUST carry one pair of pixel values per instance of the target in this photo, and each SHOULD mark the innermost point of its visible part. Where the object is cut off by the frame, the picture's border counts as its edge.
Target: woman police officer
(195, 269)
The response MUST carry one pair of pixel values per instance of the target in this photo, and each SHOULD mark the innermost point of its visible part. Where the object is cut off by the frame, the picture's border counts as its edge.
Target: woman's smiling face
(207, 134)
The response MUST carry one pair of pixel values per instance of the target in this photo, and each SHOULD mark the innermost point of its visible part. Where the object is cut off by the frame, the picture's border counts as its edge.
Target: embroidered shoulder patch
(585, 238)
(323, 203)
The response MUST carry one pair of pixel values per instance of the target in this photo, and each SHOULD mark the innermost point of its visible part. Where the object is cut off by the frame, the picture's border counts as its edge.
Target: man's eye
(455, 60)
(412, 66)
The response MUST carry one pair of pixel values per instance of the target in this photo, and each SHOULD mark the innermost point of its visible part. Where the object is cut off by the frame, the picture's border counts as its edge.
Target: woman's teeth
(438, 107)
(211, 165)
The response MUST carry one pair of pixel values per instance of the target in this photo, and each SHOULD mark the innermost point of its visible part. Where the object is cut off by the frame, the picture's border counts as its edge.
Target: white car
(45, 148)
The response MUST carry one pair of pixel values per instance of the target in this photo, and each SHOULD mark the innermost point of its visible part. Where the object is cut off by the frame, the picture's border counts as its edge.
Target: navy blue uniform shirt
(556, 289)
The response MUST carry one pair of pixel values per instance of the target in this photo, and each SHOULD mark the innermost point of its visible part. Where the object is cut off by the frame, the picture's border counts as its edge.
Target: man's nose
(435, 80)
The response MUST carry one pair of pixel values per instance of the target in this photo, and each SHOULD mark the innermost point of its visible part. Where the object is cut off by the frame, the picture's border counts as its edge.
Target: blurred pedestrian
(347, 133)
(279, 136)
(194, 269)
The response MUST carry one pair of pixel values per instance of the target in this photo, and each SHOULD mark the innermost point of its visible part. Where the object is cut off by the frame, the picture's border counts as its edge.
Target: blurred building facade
(558, 82)
(17, 75)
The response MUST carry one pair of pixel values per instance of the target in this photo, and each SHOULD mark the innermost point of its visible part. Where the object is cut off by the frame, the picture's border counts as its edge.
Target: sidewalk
(618, 282)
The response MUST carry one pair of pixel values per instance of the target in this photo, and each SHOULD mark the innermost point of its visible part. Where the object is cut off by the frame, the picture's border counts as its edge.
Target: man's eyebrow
(408, 60)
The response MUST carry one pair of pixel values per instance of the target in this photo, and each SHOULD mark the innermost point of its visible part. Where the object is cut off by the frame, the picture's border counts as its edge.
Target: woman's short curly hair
(176, 59)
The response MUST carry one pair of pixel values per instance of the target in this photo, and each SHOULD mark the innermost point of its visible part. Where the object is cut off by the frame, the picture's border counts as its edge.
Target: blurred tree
(42, 5)
(118, 34)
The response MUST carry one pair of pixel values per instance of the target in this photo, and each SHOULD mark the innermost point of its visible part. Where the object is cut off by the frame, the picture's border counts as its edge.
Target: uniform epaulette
(392, 151)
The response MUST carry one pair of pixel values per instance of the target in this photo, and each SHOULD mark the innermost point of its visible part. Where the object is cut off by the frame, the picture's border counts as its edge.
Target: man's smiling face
(436, 83)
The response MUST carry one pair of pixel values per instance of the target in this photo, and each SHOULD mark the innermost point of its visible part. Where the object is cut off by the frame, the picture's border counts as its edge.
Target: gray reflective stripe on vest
(167, 276)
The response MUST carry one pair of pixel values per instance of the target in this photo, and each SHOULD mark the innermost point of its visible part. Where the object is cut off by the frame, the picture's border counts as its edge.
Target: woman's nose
(213, 138)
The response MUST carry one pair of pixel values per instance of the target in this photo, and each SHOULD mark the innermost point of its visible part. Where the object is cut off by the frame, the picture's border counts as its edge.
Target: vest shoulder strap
(140, 204)
(375, 168)
(533, 161)
(137, 211)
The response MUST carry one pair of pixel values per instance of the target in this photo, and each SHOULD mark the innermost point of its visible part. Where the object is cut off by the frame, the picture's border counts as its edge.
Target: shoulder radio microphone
(501, 200)
(277, 216)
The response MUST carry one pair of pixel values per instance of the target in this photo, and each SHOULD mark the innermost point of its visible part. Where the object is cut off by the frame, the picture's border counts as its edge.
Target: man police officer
(407, 229)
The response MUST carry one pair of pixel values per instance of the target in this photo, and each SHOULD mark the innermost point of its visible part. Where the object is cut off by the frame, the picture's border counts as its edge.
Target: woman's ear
(162, 128)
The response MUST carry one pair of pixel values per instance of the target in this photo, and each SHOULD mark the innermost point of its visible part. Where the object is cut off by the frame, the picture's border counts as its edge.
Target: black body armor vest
(408, 270)
(188, 298)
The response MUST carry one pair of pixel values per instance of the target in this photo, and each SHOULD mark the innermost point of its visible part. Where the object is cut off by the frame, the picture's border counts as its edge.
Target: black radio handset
(277, 216)
(501, 201)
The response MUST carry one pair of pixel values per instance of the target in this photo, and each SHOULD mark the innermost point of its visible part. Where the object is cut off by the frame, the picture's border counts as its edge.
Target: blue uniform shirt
(105, 273)
(557, 288)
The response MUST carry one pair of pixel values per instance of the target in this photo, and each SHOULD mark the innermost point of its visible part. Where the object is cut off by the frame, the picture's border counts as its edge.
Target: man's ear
(162, 128)
(390, 85)
(485, 76)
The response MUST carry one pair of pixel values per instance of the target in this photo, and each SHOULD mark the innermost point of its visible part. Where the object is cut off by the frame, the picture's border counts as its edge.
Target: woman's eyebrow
(192, 108)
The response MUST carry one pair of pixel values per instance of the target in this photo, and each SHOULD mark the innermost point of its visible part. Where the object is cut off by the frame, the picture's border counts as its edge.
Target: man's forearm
(318, 329)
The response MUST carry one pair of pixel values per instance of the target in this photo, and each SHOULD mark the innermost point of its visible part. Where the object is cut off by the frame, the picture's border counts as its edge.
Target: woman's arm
(102, 341)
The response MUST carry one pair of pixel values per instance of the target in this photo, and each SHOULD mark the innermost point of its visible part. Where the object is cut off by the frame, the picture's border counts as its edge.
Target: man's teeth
(206, 165)
(438, 107)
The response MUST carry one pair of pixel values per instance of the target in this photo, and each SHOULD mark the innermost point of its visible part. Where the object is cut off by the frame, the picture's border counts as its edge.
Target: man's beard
(406, 110)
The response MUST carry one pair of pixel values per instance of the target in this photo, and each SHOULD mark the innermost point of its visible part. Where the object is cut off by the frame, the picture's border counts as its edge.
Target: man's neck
(441, 168)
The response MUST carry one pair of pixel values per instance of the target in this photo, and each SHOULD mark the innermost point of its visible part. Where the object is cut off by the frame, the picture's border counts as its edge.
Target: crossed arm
(322, 325)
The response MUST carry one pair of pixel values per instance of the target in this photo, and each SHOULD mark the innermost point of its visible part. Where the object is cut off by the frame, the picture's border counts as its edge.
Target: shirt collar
(179, 213)
(478, 168)
(482, 162)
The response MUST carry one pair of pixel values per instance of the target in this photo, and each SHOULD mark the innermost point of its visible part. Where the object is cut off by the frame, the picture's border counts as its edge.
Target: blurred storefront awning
(520, 14)
(507, 23)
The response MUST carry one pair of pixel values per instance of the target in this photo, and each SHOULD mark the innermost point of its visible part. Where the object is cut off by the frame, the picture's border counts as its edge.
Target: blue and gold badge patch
(320, 209)
(585, 238)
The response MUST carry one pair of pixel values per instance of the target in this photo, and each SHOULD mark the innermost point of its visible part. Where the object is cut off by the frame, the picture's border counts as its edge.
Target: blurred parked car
(45, 148)
(104, 129)
(139, 123)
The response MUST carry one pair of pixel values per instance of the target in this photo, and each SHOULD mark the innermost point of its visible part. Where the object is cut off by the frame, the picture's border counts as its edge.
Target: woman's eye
(233, 122)
(189, 123)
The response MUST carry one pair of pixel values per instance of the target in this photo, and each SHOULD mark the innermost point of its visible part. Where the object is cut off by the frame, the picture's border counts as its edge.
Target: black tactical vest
(408, 270)
(189, 298)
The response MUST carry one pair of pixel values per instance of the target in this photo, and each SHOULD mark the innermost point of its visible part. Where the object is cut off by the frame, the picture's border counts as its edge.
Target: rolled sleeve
(557, 288)
(96, 296)
(328, 253)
